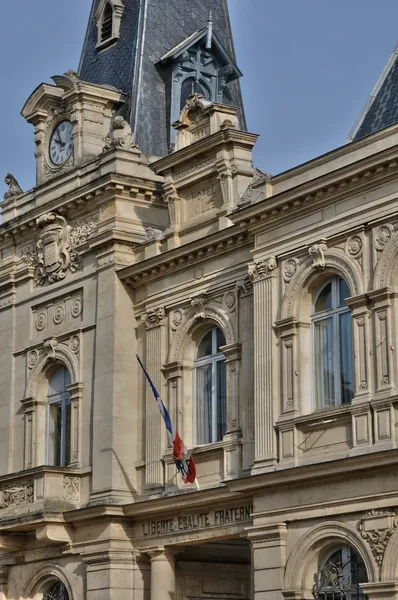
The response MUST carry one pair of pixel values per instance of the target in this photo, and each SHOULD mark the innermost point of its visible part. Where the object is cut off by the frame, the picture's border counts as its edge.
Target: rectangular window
(221, 399)
(324, 357)
(346, 358)
(54, 433)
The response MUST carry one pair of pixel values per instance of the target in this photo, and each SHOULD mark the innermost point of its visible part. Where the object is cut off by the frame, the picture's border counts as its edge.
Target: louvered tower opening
(107, 21)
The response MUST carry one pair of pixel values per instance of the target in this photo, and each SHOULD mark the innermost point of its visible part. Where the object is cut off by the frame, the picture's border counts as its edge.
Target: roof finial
(209, 31)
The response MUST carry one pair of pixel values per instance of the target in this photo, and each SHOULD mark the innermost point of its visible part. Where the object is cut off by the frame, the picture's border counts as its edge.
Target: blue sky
(309, 67)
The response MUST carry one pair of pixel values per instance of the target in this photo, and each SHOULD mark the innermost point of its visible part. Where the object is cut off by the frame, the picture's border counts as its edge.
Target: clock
(61, 143)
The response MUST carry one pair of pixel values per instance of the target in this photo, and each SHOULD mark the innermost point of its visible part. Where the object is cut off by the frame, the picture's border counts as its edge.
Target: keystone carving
(199, 304)
(120, 136)
(50, 346)
(376, 527)
(53, 255)
(262, 269)
(154, 318)
(14, 189)
(317, 253)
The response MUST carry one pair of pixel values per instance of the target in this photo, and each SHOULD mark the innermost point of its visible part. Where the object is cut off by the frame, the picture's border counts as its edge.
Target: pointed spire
(209, 31)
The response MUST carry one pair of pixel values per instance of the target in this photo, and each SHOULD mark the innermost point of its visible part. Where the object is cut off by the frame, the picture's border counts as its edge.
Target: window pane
(344, 292)
(324, 363)
(220, 340)
(54, 434)
(67, 431)
(221, 400)
(205, 346)
(203, 404)
(346, 358)
(324, 300)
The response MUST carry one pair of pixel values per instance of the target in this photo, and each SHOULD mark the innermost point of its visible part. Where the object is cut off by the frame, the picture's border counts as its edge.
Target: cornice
(190, 254)
(320, 191)
(205, 145)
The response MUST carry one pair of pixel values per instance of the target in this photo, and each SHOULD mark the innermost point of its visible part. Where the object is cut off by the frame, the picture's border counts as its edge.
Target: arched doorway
(339, 576)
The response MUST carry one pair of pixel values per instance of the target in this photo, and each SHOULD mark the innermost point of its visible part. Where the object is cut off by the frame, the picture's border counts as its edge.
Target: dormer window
(107, 21)
(109, 17)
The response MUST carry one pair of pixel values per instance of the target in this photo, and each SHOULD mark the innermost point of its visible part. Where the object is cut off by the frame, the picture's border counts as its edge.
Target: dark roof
(131, 64)
(381, 109)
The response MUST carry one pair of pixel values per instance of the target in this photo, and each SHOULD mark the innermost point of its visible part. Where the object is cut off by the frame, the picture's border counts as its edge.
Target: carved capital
(262, 269)
(154, 318)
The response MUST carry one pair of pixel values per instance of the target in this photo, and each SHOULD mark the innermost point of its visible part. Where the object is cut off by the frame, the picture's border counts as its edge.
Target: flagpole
(197, 484)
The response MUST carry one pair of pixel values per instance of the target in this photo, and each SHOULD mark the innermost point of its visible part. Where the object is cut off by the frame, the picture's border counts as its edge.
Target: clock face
(61, 143)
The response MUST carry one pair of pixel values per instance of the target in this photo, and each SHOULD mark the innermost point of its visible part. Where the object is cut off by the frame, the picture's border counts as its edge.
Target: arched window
(59, 419)
(107, 23)
(57, 591)
(210, 388)
(340, 575)
(333, 356)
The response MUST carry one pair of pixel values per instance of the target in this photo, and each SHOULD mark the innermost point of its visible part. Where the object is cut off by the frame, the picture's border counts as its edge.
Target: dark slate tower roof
(149, 30)
(381, 109)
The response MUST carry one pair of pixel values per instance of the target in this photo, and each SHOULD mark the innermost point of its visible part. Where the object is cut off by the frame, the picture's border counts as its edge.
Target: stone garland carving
(14, 189)
(15, 495)
(154, 318)
(54, 254)
(378, 537)
(82, 230)
(120, 136)
(198, 304)
(289, 269)
(382, 236)
(71, 489)
(208, 162)
(262, 269)
(354, 246)
(317, 253)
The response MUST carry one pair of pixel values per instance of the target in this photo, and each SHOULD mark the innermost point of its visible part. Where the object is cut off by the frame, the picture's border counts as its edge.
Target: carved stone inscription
(201, 201)
(183, 523)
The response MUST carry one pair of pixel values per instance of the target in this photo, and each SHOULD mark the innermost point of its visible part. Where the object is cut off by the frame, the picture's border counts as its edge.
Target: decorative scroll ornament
(14, 189)
(354, 246)
(154, 318)
(151, 233)
(120, 136)
(81, 231)
(16, 495)
(317, 253)
(376, 527)
(54, 254)
(199, 305)
(50, 346)
(262, 269)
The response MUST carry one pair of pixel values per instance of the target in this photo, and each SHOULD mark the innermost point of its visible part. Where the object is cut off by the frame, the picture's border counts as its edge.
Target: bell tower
(157, 53)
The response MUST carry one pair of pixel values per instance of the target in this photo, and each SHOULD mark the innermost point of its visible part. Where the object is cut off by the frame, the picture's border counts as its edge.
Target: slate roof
(381, 109)
(167, 23)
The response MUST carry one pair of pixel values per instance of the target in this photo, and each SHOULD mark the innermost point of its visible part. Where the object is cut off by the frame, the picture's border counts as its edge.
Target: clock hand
(59, 140)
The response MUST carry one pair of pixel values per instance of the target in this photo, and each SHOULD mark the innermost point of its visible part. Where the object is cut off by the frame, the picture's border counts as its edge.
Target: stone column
(381, 591)
(246, 379)
(384, 377)
(268, 560)
(75, 392)
(263, 275)
(233, 435)
(155, 442)
(163, 584)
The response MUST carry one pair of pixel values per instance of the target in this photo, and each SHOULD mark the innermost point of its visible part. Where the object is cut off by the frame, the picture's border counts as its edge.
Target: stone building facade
(264, 308)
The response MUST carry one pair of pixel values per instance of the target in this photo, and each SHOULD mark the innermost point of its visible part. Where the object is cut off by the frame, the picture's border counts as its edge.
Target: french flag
(184, 462)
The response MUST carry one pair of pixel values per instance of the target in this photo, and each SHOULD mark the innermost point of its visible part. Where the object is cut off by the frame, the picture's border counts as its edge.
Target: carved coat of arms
(53, 255)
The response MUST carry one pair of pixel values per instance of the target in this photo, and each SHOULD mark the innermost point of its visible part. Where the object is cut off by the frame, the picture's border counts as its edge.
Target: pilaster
(263, 275)
(155, 441)
(268, 560)
(75, 392)
(163, 583)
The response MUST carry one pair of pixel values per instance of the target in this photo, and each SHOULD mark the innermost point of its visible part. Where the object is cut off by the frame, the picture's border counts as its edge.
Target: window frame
(63, 399)
(333, 313)
(118, 8)
(212, 359)
(347, 560)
